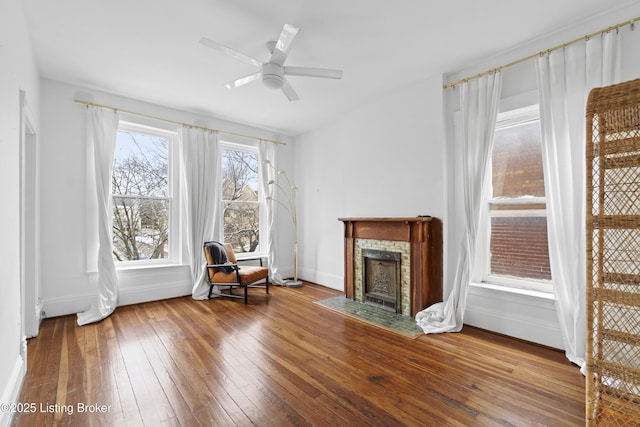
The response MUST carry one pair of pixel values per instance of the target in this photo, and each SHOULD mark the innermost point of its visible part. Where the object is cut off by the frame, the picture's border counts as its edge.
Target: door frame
(31, 301)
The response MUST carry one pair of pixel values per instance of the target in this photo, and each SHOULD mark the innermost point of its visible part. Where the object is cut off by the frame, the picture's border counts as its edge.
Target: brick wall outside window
(517, 162)
(519, 247)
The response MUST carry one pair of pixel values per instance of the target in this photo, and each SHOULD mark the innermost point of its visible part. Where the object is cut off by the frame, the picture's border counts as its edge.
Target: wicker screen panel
(613, 255)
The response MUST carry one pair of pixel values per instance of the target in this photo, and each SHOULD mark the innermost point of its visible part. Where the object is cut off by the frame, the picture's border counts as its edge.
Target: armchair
(225, 273)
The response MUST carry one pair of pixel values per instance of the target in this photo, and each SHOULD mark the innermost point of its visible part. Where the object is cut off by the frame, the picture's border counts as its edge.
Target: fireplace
(418, 240)
(382, 267)
(381, 279)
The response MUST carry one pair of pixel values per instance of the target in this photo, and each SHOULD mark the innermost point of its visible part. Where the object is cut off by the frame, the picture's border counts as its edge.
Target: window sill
(512, 290)
(147, 266)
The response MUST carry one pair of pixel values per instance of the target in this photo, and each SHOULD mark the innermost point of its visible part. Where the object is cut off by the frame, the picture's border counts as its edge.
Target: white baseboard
(156, 292)
(71, 304)
(11, 392)
(520, 316)
(329, 280)
(33, 330)
(523, 327)
(68, 304)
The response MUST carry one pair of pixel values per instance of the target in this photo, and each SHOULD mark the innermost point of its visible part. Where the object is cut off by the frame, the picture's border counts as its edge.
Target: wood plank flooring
(283, 360)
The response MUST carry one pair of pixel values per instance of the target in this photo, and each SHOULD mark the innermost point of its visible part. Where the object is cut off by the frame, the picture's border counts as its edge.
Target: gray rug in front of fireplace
(379, 317)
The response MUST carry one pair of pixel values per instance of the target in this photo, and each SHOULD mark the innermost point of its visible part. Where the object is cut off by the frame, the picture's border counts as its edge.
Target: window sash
(518, 201)
(505, 207)
(230, 202)
(173, 246)
(521, 282)
(133, 196)
(230, 146)
(148, 219)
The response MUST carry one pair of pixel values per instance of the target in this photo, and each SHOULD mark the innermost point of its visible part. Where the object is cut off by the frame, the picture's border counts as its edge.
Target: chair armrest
(235, 266)
(254, 258)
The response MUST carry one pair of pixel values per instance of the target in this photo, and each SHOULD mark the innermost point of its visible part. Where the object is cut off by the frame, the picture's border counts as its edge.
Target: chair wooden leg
(267, 286)
(246, 297)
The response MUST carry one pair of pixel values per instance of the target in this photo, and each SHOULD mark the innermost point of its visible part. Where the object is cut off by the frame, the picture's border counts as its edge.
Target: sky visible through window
(140, 164)
(132, 143)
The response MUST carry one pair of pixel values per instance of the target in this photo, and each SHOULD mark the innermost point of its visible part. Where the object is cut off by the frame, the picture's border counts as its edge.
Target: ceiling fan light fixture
(272, 76)
(272, 81)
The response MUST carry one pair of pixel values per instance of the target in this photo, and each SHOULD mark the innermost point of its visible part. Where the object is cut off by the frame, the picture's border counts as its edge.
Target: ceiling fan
(273, 73)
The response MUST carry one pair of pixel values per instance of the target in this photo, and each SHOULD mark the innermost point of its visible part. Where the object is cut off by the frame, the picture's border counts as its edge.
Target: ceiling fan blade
(231, 52)
(287, 35)
(313, 72)
(287, 89)
(243, 80)
(283, 44)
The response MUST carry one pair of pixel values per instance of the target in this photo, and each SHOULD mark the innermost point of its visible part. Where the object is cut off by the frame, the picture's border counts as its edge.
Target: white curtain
(565, 78)
(268, 231)
(479, 100)
(102, 131)
(199, 157)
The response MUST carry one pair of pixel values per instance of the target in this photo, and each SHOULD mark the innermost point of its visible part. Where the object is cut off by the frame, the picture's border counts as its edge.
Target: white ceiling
(149, 49)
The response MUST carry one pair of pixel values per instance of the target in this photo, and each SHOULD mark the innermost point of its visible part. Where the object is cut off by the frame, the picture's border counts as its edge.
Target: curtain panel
(268, 212)
(565, 78)
(199, 160)
(102, 131)
(479, 100)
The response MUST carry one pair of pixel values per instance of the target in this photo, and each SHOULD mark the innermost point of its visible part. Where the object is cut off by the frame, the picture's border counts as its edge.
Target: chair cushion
(248, 274)
(231, 256)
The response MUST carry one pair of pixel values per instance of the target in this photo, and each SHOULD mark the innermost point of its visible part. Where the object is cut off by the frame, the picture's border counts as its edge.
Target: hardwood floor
(283, 360)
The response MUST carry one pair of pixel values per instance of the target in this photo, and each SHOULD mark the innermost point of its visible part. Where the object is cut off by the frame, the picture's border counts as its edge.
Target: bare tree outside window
(140, 197)
(241, 210)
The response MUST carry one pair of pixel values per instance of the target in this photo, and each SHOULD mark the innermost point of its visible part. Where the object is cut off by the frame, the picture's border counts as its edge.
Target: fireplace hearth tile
(376, 316)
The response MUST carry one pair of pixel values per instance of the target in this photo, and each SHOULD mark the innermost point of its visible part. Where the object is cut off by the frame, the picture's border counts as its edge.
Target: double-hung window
(240, 199)
(515, 229)
(144, 213)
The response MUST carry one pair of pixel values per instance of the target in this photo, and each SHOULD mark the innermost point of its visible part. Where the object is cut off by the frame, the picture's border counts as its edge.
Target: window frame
(174, 246)
(507, 119)
(225, 145)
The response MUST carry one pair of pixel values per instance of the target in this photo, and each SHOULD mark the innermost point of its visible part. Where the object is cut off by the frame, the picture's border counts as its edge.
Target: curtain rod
(544, 52)
(177, 123)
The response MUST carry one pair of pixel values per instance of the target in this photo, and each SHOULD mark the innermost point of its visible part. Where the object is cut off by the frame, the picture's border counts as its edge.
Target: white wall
(68, 286)
(385, 159)
(17, 72)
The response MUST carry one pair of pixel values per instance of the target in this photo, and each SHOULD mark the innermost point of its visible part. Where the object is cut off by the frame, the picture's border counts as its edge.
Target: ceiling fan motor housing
(272, 75)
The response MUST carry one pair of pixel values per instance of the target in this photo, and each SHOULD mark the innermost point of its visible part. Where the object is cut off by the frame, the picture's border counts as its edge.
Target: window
(142, 195)
(240, 199)
(516, 227)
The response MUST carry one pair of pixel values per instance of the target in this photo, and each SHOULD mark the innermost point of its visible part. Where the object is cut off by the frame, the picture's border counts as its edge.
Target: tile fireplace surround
(365, 249)
(419, 239)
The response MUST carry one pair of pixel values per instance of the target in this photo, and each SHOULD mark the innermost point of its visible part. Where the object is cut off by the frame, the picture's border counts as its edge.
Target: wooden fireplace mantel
(425, 237)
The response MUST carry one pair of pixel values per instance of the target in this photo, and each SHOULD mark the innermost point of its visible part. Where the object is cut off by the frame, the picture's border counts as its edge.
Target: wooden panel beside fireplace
(424, 235)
